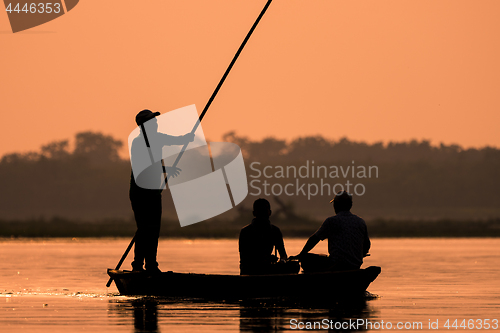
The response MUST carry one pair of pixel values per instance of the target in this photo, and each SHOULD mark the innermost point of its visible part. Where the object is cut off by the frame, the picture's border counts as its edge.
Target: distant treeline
(216, 228)
(401, 180)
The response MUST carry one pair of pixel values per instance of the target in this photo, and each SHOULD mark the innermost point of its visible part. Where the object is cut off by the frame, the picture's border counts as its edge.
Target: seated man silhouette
(348, 240)
(256, 244)
(145, 188)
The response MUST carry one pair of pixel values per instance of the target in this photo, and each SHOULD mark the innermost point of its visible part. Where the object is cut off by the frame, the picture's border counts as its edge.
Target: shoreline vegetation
(88, 180)
(59, 227)
(402, 189)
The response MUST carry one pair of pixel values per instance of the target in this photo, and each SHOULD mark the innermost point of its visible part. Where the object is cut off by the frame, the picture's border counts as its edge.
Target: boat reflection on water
(149, 314)
(272, 317)
(145, 315)
(143, 310)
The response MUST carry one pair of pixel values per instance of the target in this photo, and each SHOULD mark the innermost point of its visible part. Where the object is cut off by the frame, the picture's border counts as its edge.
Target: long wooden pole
(205, 109)
(123, 258)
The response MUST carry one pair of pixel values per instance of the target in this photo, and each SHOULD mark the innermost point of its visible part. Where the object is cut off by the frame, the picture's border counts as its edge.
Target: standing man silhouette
(146, 187)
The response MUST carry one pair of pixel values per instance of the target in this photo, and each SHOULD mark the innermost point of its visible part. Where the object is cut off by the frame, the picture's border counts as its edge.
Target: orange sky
(369, 70)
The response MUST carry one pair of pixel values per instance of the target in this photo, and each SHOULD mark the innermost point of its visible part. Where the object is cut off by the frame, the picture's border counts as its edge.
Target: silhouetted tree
(57, 150)
(97, 147)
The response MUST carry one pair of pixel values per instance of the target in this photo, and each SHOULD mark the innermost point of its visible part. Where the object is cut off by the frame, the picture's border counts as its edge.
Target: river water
(58, 285)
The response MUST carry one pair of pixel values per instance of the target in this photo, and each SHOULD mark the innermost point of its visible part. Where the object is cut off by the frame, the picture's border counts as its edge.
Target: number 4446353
(477, 324)
(42, 7)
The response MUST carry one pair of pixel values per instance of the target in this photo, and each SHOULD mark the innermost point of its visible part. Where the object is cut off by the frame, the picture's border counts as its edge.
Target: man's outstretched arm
(310, 244)
(171, 140)
(280, 246)
(366, 245)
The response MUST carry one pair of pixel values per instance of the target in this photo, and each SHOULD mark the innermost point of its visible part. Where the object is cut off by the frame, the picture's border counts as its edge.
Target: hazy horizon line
(123, 151)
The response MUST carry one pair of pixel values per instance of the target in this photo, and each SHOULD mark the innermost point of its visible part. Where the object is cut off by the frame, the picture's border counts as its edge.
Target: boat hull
(216, 286)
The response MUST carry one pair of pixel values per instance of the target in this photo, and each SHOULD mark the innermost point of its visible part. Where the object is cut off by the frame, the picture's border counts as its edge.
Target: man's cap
(144, 116)
(342, 196)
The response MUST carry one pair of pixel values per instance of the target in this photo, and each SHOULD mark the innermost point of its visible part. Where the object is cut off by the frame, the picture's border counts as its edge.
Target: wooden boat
(216, 286)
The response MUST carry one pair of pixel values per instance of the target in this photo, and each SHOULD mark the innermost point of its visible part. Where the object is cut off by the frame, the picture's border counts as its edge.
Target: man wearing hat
(348, 240)
(146, 188)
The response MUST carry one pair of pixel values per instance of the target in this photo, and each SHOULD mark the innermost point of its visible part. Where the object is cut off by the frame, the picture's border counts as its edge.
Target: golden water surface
(58, 285)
